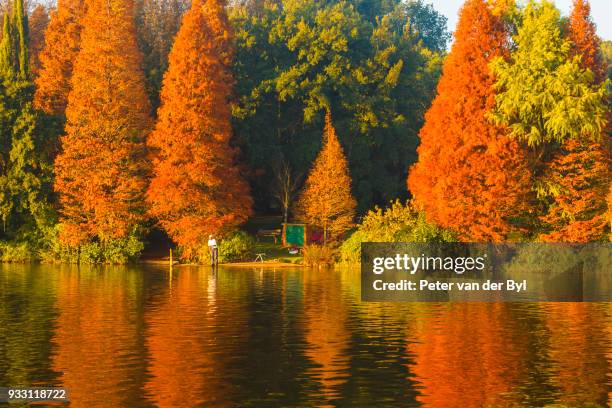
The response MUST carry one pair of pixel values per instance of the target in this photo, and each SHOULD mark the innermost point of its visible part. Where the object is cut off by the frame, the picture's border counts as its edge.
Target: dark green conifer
(25, 171)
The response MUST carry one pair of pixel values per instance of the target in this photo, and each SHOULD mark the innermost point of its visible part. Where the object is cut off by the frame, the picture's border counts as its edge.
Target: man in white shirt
(212, 246)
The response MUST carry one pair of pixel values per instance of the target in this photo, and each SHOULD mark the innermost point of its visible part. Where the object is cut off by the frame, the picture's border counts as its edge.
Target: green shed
(295, 235)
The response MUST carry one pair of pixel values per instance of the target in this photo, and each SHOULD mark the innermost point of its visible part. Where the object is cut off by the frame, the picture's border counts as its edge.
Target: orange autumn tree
(583, 34)
(100, 173)
(326, 200)
(37, 25)
(580, 169)
(470, 176)
(62, 44)
(196, 187)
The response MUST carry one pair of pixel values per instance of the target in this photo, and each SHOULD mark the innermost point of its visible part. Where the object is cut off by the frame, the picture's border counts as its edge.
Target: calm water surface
(142, 337)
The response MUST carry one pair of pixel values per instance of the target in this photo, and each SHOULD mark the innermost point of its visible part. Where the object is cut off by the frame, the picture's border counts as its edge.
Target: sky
(601, 11)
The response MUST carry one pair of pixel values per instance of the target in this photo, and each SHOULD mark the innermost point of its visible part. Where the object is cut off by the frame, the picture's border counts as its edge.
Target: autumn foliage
(37, 25)
(326, 200)
(196, 187)
(100, 174)
(583, 34)
(578, 212)
(580, 169)
(62, 44)
(470, 176)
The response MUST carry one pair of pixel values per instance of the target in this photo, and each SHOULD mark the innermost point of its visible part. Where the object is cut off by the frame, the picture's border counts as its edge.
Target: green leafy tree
(551, 99)
(367, 61)
(157, 22)
(14, 48)
(25, 171)
(544, 95)
(606, 50)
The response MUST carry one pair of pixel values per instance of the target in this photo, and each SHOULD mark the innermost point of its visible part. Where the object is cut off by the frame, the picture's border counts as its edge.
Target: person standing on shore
(214, 254)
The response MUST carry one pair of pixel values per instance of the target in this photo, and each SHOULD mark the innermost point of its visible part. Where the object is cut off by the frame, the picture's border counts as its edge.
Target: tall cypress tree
(100, 173)
(196, 187)
(470, 176)
(580, 168)
(39, 19)
(326, 200)
(14, 49)
(25, 172)
(551, 101)
(62, 45)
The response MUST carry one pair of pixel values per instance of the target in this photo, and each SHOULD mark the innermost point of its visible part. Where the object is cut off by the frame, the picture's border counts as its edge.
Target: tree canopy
(196, 188)
(326, 201)
(470, 176)
(374, 63)
(100, 173)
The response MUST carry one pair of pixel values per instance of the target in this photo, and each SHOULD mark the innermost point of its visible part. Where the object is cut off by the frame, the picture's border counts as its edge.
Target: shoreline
(230, 264)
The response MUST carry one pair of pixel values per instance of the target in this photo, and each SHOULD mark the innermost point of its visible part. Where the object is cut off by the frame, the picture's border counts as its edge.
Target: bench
(269, 233)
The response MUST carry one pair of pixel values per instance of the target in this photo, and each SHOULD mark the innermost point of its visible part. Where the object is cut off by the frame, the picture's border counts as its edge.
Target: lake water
(141, 337)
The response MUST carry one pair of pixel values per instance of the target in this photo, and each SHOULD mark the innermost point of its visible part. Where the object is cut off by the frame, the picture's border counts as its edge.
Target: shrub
(114, 251)
(123, 250)
(237, 246)
(398, 223)
(318, 255)
(17, 252)
(90, 253)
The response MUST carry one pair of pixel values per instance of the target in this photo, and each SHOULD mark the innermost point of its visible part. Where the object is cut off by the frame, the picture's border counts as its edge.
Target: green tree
(25, 171)
(606, 50)
(367, 61)
(157, 22)
(550, 98)
(543, 93)
(14, 48)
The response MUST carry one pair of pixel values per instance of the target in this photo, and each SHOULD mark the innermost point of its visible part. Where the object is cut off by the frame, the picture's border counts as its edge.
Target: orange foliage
(37, 23)
(100, 174)
(62, 44)
(196, 188)
(578, 213)
(581, 168)
(609, 212)
(470, 176)
(327, 201)
(583, 34)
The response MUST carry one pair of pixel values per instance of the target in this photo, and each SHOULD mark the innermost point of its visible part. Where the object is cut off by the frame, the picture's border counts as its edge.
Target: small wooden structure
(269, 233)
(295, 235)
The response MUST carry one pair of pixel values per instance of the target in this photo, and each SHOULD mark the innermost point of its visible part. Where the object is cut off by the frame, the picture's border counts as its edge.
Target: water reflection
(130, 337)
(98, 341)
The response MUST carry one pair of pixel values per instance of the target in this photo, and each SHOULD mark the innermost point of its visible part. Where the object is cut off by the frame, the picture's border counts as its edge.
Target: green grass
(274, 252)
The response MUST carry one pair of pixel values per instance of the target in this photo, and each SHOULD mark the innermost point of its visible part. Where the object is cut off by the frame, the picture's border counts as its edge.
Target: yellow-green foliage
(236, 246)
(398, 223)
(318, 255)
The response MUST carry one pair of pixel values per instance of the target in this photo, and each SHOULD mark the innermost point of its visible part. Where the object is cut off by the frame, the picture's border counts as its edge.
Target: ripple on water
(140, 336)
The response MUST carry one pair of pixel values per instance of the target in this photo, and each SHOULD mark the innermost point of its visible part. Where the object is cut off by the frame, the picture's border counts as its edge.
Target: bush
(318, 255)
(123, 250)
(113, 251)
(17, 252)
(398, 223)
(235, 247)
(238, 246)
